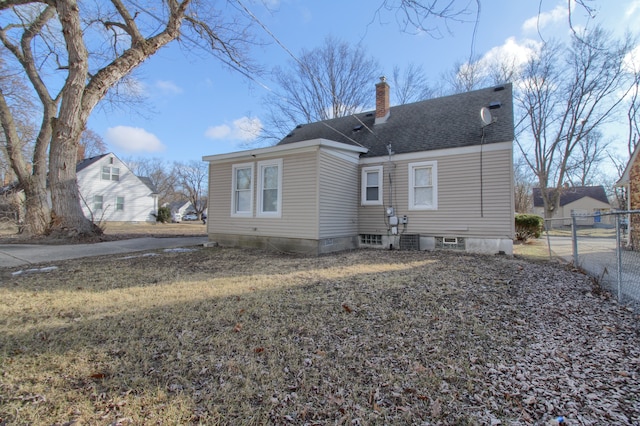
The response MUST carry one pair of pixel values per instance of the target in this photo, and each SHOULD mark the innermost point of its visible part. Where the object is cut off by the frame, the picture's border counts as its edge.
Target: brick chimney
(382, 101)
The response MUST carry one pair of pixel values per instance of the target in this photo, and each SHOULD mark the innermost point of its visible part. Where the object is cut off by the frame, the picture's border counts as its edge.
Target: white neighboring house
(111, 192)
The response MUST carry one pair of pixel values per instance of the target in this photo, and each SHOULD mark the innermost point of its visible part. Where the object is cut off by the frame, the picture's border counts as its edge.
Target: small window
(372, 186)
(110, 173)
(423, 186)
(270, 188)
(97, 202)
(242, 190)
(119, 203)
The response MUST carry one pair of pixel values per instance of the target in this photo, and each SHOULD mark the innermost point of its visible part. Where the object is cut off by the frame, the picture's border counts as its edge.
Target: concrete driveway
(14, 255)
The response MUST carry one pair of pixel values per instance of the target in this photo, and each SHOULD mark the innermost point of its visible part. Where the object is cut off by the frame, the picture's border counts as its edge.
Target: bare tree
(422, 16)
(90, 145)
(330, 81)
(191, 181)
(589, 153)
(523, 184)
(565, 95)
(410, 86)
(90, 47)
(160, 174)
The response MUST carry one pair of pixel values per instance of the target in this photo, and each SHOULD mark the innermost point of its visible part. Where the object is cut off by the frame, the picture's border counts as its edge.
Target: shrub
(528, 226)
(164, 215)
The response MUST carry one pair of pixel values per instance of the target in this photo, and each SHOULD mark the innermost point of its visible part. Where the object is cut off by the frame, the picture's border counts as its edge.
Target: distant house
(432, 174)
(588, 201)
(178, 209)
(111, 192)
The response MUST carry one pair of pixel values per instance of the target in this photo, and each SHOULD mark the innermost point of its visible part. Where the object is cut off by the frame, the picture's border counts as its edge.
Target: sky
(196, 107)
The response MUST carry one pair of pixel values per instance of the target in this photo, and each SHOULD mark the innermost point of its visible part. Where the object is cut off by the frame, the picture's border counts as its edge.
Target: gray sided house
(585, 202)
(427, 175)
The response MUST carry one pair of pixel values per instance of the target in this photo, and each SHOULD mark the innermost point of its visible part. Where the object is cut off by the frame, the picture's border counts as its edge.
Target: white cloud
(631, 61)
(243, 129)
(511, 52)
(558, 14)
(218, 132)
(168, 87)
(133, 139)
(632, 9)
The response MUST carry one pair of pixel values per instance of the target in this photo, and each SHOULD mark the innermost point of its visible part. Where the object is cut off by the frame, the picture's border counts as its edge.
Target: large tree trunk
(37, 212)
(66, 211)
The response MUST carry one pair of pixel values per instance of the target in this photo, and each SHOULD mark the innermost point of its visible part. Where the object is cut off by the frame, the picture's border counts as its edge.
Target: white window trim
(234, 213)
(363, 188)
(261, 167)
(434, 181)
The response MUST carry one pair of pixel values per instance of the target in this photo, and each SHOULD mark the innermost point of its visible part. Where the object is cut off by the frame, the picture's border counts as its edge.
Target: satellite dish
(485, 116)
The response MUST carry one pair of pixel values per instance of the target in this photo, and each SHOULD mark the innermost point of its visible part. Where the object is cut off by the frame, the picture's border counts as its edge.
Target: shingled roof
(446, 122)
(569, 195)
(86, 162)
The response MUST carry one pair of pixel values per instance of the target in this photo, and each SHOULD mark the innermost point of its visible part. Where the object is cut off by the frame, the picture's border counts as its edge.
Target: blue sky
(196, 107)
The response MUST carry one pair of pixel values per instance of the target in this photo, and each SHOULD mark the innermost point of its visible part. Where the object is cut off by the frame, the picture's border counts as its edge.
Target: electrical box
(394, 230)
(393, 221)
(404, 220)
(390, 211)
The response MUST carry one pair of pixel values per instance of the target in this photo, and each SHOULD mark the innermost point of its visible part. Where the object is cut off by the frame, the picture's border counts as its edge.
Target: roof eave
(276, 149)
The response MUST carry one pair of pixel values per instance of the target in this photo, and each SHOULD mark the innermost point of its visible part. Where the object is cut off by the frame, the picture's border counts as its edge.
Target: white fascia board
(308, 145)
(498, 146)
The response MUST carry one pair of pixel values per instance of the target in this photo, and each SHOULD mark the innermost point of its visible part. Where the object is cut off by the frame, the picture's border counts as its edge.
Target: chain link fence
(606, 246)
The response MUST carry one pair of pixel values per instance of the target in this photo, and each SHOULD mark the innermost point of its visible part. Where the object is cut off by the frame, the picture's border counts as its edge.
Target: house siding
(299, 216)
(586, 205)
(339, 196)
(460, 211)
(139, 203)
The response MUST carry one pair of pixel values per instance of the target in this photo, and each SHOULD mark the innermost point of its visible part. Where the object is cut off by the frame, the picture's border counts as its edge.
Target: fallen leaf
(347, 308)
(237, 328)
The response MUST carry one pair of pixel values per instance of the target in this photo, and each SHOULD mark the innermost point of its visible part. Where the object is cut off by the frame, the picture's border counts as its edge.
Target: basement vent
(451, 243)
(370, 240)
(409, 242)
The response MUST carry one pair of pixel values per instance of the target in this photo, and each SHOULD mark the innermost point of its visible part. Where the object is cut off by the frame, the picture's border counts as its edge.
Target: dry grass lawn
(226, 336)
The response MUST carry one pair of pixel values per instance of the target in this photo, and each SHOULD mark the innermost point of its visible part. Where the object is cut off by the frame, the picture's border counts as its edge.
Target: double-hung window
(270, 188)
(119, 203)
(242, 190)
(372, 186)
(423, 185)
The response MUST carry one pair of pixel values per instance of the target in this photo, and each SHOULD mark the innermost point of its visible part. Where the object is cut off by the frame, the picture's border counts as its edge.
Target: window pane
(372, 193)
(106, 173)
(119, 203)
(270, 177)
(243, 201)
(243, 178)
(97, 202)
(270, 200)
(372, 179)
(423, 196)
(115, 173)
(423, 177)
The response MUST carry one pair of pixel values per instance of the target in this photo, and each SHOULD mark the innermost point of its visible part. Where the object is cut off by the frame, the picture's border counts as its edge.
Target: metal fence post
(619, 258)
(574, 238)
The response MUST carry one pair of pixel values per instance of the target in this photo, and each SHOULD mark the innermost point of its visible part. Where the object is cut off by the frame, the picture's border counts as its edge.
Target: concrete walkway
(14, 255)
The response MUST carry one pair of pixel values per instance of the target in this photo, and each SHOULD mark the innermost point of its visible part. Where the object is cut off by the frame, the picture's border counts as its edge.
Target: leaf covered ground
(227, 336)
